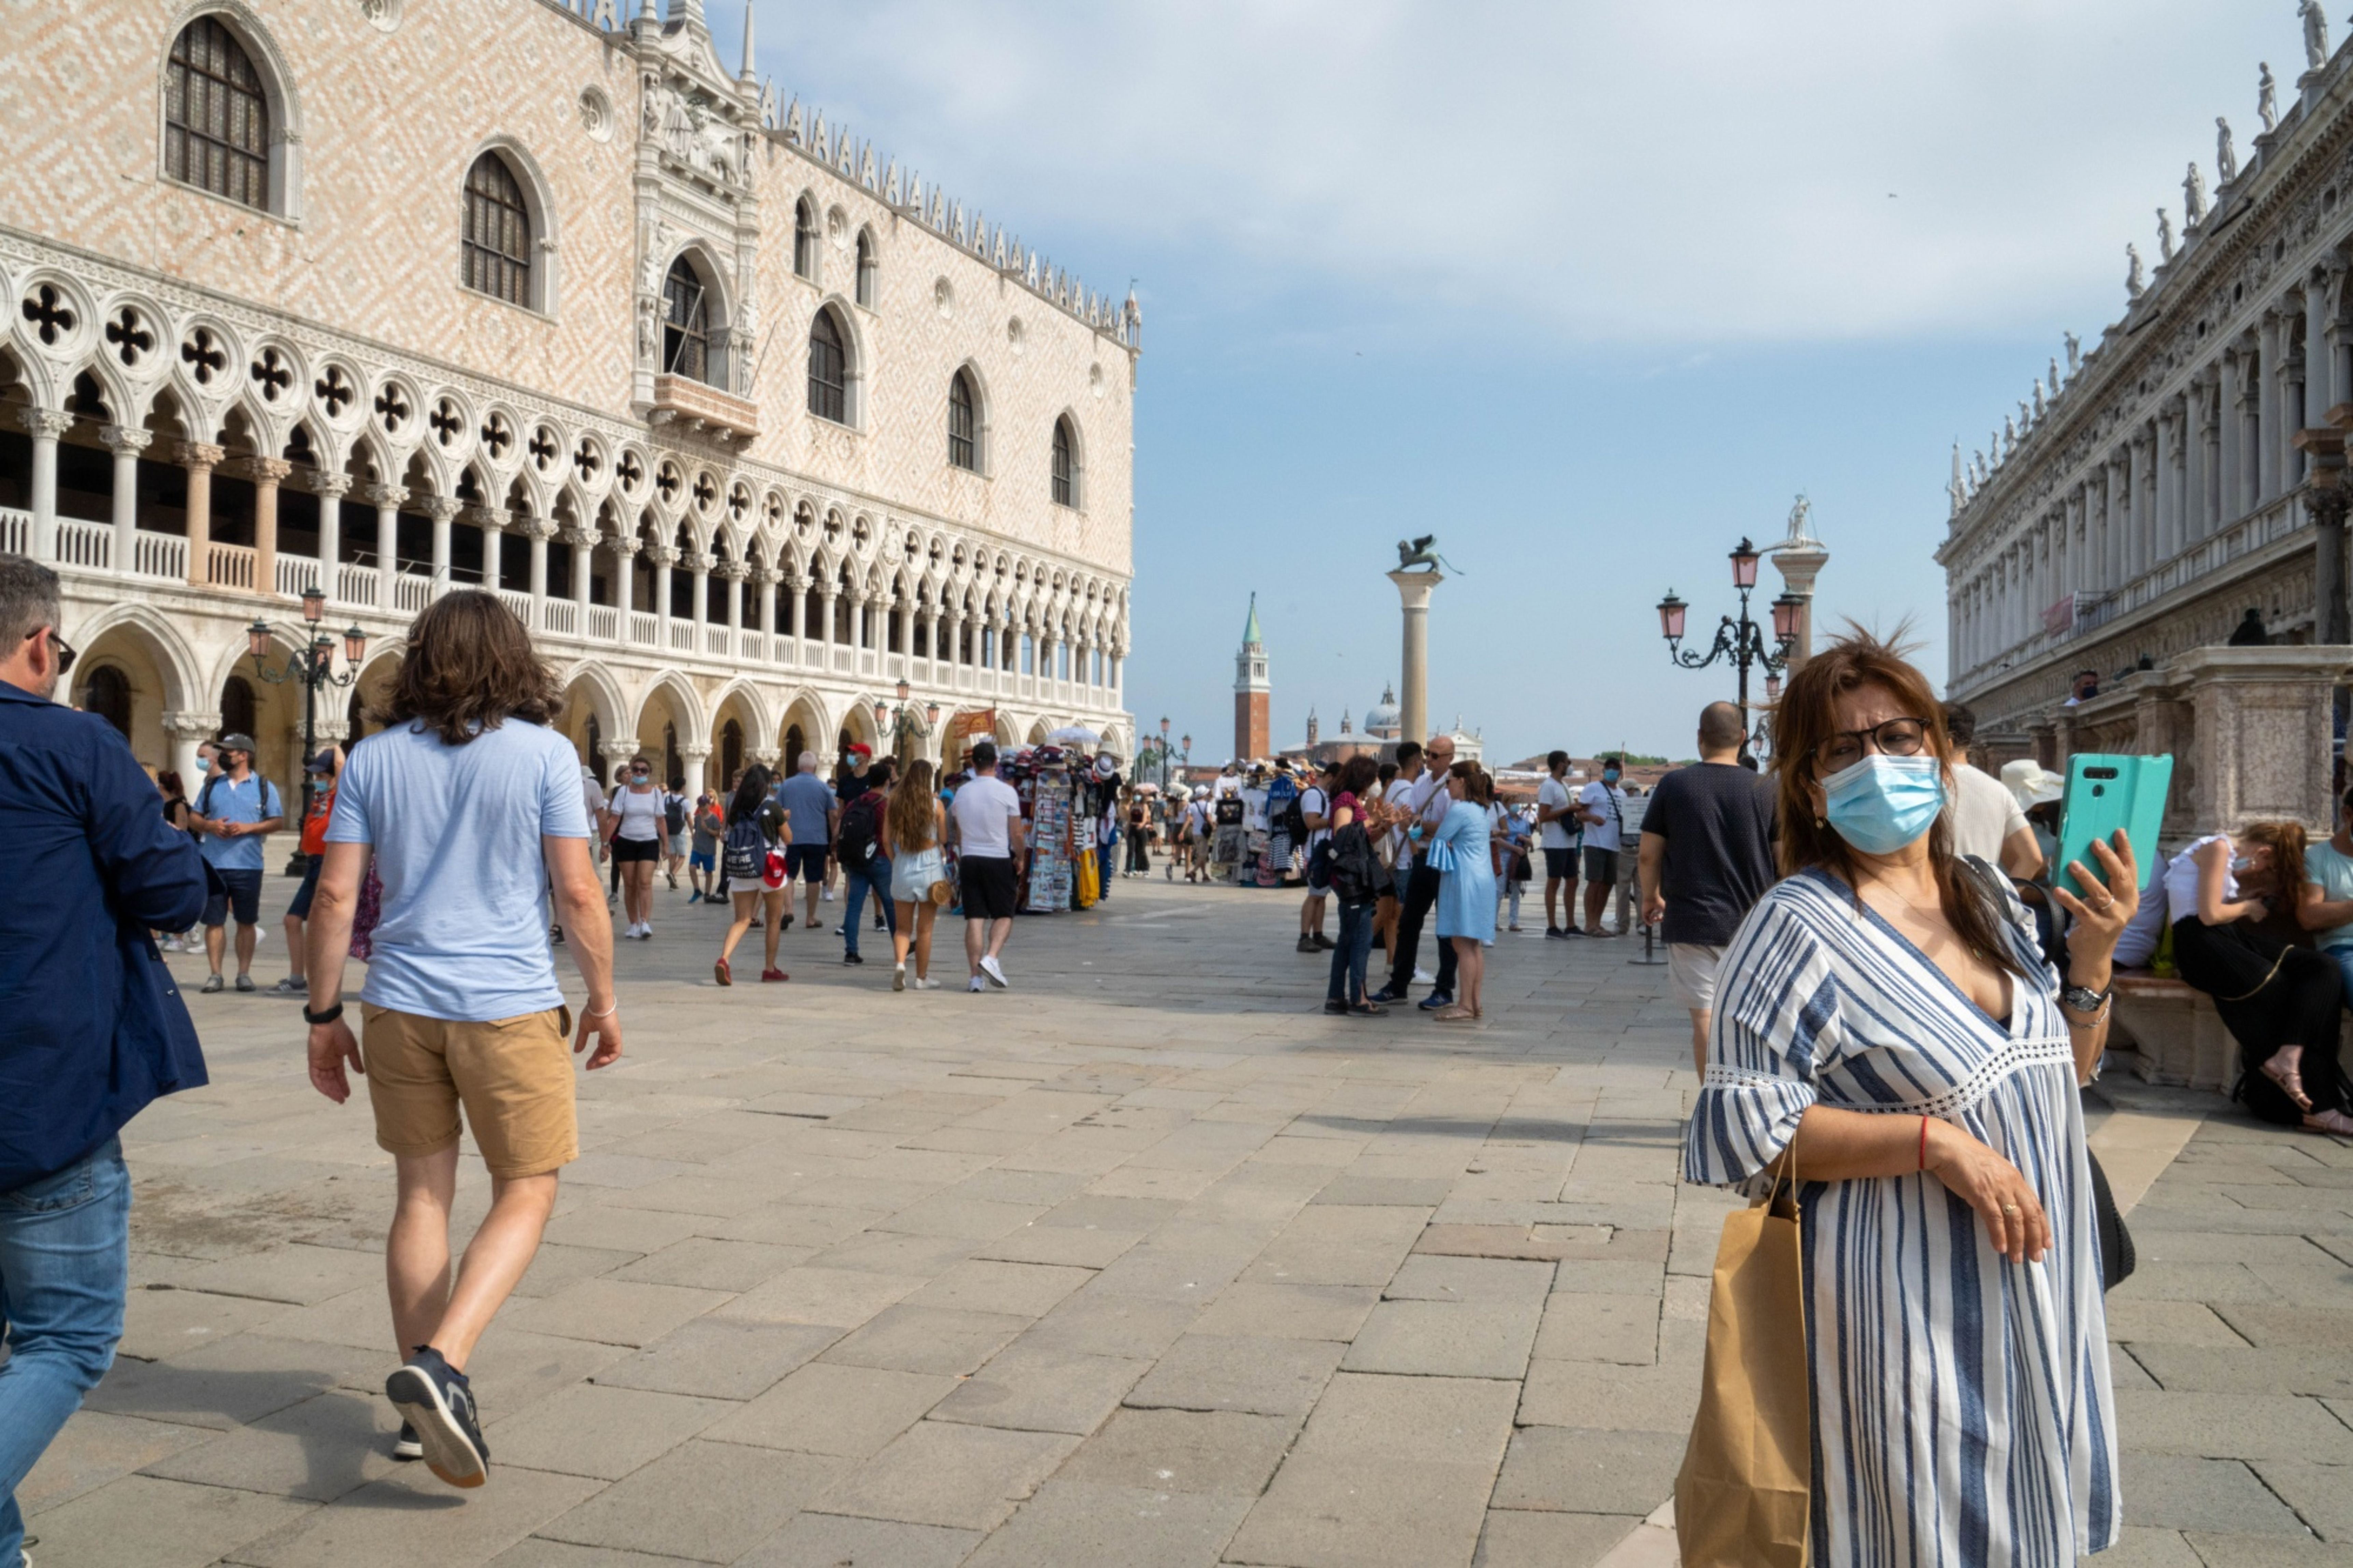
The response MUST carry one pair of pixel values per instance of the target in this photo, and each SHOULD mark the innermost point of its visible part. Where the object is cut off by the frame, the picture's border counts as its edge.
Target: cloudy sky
(1588, 290)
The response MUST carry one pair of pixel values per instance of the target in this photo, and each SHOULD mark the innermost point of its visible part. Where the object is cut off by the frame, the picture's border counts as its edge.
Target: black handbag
(1357, 875)
(2116, 1255)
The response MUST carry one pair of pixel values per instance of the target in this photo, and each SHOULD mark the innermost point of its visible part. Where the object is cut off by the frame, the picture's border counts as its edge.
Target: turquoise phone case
(2105, 794)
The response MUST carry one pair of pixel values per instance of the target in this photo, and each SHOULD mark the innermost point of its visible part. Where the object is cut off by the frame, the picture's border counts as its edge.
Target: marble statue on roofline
(2267, 100)
(2226, 156)
(2193, 200)
(2316, 34)
(2164, 236)
(2075, 352)
(2134, 280)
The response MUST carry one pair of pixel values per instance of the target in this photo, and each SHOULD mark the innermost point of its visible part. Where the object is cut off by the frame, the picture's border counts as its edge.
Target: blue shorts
(806, 861)
(702, 860)
(230, 893)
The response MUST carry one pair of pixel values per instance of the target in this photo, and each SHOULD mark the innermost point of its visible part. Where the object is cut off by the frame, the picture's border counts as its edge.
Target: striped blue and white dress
(1962, 1409)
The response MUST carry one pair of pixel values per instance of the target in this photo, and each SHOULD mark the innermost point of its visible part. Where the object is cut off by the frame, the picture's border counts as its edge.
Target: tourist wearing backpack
(758, 829)
(675, 806)
(857, 847)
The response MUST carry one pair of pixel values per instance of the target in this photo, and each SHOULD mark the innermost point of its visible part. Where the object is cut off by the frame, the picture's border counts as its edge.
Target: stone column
(664, 557)
(2268, 422)
(444, 510)
(691, 756)
(1800, 560)
(619, 750)
(734, 571)
(267, 474)
(187, 731)
(584, 570)
(827, 596)
(539, 531)
(388, 499)
(625, 584)
(2318, 394)
(44, 426)
(2192, 450)
(765, 579)
(1413, 682)
(331, 488)
(492, 522)
(126, 444)
(698, 563)
(798, 586)
(200, 458)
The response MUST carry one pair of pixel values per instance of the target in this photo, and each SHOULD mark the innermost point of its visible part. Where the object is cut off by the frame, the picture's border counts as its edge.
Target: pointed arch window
(1066, 465)
(866, 269)
(828, 396)
(497, 242)
(217, 116)
(804, 238)
(686, 323)
(964, 450)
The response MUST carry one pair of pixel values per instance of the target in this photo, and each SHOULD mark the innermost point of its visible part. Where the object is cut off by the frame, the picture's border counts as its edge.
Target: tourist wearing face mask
(1887, 1033)
(1602, 806)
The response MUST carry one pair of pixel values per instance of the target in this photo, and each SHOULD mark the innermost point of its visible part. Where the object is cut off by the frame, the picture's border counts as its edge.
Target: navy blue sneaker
(1384, 995)
(435, 1399)
(1437, 999)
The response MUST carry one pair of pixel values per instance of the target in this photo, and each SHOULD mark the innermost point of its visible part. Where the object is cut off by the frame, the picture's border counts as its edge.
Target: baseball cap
(325, 762)
(234, 741)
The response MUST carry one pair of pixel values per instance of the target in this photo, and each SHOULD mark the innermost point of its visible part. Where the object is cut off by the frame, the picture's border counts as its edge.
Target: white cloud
(1680, 172)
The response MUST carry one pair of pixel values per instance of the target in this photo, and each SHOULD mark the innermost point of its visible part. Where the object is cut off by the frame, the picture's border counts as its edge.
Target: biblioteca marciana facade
(385, 296)
(2150, 555)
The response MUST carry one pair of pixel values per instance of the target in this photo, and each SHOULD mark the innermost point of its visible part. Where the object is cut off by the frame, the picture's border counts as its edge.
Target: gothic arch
(278, 89)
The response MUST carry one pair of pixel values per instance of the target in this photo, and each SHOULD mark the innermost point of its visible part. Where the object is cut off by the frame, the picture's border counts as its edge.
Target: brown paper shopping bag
(1743, 1498)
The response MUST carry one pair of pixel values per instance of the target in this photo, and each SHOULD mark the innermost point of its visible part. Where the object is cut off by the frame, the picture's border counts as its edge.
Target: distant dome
(1382, 718)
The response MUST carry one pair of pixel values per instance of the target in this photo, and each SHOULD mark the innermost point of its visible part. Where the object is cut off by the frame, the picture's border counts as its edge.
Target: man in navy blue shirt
(91, 1028)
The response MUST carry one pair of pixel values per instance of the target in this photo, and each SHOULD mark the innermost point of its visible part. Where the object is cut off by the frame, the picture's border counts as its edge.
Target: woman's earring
(1821, 821)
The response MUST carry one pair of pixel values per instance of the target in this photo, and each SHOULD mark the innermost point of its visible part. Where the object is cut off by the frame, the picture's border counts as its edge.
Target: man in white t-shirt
(1420, 788)
(1557, 835)
(1315, 808)
(986, 822)
(1988, 821)
(1602, 806)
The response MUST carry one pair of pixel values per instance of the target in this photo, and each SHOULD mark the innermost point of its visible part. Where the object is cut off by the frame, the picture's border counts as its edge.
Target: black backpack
(854, 841)
(746, 850)
(1294, 818)
(673, 814)
(1357, 875)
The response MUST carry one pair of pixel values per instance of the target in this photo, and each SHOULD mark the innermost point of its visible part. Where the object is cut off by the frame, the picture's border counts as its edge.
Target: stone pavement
(1144, 1260)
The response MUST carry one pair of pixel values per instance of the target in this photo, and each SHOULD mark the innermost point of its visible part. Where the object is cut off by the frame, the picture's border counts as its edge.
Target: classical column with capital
(1413, 680)
(693, 755)
(625, 584)
(187, 730)
(444, 510)
(126, 444)
(331, 488)
(44, 426)
(388, 499)
(200, 458)
(665, 557)
(267, 474)
(619, 750)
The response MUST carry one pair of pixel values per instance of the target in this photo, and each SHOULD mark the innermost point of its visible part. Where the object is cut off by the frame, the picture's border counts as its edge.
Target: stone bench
(2175, 1033)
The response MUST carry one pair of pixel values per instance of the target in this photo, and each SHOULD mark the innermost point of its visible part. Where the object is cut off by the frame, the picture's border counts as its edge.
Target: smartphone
(2105, 794)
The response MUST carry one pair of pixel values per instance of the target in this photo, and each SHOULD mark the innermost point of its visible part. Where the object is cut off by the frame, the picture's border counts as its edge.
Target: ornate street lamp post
(905, 727)
(312, 666)
(1741, 640)
(1163, 752)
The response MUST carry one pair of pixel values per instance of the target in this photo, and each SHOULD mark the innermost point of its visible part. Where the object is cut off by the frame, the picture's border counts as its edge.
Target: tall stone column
(693, 755)
(625, 584)
(582, 544)
(700, 563)
(331, 488)
(199, 458)
(798, 586)
(763, 580)
(665, 557)
(1413, 680)
(444, 510)
(493, 522)
(388, 499)
(734, 571)
(1799, 559)
(44, 426)
(267, 474)
(615, 751)
(187, 731)
(126, 444)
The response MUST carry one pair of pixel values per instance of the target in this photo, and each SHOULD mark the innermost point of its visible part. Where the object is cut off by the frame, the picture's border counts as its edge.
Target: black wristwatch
(2083, 999)
(329, 1016)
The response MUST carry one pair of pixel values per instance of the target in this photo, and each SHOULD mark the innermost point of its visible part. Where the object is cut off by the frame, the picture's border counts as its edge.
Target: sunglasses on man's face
(63, 649)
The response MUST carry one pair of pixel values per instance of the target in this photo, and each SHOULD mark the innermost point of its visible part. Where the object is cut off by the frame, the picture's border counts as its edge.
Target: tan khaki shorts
(513, 1075)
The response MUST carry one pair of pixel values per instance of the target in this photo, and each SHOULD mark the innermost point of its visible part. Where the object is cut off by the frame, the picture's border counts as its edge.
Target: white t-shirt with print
(1558, 830)
(1609, 804)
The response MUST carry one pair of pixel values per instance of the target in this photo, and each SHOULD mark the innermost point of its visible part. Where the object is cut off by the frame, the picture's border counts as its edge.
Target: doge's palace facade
(2130, 514)
(385, 296)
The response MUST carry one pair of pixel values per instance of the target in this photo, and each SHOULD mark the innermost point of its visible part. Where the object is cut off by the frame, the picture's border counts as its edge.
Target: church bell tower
(1253, 726)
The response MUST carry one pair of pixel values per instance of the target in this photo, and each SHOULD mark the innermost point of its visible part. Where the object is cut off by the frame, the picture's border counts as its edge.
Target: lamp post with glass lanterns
(312, 666)
(1163, 753)
(1739, 639)
(904, 725)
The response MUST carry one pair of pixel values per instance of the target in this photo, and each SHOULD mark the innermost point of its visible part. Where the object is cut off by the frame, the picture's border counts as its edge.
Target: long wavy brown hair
(912, 801)
(2286, 841)
(1808, 717)
(470, 668)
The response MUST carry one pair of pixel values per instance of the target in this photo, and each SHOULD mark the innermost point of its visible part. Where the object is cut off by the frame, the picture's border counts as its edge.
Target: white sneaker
(996, 972)
(1424, 977)
(923, 983)
(646, 929)
(828, 895)
(898, 977)
(975, 985)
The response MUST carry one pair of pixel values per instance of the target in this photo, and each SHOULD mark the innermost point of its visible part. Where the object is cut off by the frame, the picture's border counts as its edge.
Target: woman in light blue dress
(1466, 885)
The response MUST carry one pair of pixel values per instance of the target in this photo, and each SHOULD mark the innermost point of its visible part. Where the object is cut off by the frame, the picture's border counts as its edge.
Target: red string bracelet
(1924, 1142)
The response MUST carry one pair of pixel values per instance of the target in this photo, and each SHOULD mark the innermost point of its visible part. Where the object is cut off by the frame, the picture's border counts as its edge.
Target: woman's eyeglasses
(1894, 738)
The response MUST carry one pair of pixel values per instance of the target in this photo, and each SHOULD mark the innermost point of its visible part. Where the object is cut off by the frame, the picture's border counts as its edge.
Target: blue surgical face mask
(1609, 775)
(1882, 804)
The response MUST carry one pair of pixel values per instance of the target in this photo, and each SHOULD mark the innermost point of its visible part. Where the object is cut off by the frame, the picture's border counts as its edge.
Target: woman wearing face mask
(638, 843)
(1887, 1032)
(2279, 1002)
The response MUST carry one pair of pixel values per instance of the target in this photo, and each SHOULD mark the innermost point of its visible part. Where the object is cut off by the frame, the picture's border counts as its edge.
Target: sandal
(2289, 1078)
(1455, 1014)
(1368, 1010)
(721, 972)
(2329, 1121)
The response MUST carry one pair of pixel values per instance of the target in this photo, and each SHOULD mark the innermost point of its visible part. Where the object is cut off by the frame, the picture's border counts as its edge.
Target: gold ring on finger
(2010, 1208)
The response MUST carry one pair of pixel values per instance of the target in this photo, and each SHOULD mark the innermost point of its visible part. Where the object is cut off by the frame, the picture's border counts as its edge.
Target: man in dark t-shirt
(1707, 859)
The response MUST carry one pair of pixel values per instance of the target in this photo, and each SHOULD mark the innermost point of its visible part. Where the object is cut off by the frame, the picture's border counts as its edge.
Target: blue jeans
(875, 878)
(65, 1264)
(1349, 958)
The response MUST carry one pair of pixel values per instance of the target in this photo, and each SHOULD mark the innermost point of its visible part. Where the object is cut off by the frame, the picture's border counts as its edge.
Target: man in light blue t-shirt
(470, 808)
(232, 812)
(815, 810)
(2327, 908)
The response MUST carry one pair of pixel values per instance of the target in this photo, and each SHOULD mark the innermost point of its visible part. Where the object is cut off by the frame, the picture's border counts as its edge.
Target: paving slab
(409, 1517)
(590, 1429)
(1259, 1376)
(711, 1501)
(1084, 1522)
(838, 1541)
(825, 1408)
(721, 1358)
(943, 1473)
